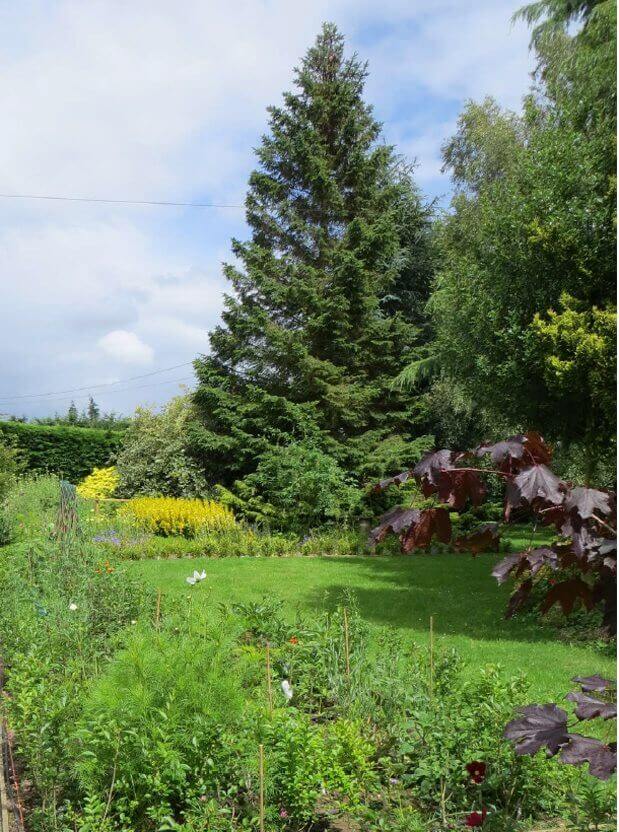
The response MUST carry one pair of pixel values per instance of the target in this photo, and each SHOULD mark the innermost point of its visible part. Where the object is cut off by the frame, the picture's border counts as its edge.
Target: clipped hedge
(70, 452)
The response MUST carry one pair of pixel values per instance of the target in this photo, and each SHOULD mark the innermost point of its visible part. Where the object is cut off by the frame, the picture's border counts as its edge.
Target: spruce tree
(328, 291)
(93, 410)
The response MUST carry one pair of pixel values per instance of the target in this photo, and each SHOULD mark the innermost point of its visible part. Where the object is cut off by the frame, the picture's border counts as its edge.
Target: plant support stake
(268, 672)
(346, 643)
(261, 777)
(431, 657)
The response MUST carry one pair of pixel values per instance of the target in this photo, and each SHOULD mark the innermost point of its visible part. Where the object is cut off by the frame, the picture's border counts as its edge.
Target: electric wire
(123, 201)
(4, 399)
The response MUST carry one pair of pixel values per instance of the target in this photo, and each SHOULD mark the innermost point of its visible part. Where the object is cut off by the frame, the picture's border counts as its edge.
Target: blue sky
(152, 100)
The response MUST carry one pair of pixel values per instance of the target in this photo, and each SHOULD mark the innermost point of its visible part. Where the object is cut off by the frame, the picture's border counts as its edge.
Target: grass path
(400, 592)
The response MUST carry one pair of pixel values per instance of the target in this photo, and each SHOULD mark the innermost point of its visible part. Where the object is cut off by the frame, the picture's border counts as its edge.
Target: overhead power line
(122, 390)
(123, 201)
(91, 387)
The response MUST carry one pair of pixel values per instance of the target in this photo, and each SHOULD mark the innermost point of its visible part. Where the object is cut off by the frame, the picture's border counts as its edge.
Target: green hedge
(60, 449)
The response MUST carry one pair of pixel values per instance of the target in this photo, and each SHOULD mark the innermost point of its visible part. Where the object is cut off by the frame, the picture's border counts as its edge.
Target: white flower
(197, 576)
(287, 689)
(133, 621)
(72, 606)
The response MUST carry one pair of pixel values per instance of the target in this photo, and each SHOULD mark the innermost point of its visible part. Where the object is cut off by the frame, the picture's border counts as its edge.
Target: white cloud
(126, 347)
(153, 100)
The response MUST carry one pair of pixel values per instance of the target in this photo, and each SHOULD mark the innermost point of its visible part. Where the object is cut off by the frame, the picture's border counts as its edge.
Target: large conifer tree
(329, 293)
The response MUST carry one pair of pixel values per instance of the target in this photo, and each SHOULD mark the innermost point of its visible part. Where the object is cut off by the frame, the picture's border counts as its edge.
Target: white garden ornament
(287, 689)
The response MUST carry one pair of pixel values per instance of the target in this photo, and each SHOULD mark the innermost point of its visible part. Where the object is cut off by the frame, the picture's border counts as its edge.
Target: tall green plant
(533, 218)
(328, 295)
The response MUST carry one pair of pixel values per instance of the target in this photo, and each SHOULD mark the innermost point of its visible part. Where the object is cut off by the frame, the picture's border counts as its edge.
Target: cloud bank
(159, 101)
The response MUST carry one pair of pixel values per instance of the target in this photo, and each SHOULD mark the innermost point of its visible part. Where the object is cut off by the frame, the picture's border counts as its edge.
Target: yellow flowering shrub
(102, 483)
(175, 516)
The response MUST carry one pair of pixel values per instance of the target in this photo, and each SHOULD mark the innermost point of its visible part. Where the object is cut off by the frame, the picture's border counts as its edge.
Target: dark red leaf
(483, 539)
(518, 598)
(538, 726)
(504, 568)
(508, 449)
(587, 502)
(394, 521)
(518, 450)
(531, 561)
(590, 684)
(457, 487)
(602, 758)
(588, 707)
(536, 448)
(429, 467)
(538, 481)
(567, 593)
(543, 556)
(397, 480)
(432, 522)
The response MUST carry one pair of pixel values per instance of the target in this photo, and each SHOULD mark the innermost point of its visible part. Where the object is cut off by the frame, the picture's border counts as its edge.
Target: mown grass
(458, 591)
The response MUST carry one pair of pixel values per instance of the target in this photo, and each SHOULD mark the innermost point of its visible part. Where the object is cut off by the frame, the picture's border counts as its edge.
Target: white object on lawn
(197, 576)
(287, 689)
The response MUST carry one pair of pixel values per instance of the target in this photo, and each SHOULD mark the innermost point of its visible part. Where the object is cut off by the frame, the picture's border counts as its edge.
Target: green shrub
(154, 459)
(11, 465)
(295, 487)
(63, 616)
(59, 449)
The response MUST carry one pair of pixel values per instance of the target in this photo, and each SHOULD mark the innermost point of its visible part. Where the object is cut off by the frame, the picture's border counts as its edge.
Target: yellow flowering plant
(176, 516)
(102, 483)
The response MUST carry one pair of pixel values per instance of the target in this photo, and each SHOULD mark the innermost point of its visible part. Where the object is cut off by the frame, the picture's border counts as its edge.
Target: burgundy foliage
(546, 726)
(584, 518)
(584, 555)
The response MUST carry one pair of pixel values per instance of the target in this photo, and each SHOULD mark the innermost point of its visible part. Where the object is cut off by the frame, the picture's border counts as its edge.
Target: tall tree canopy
(329, 290)
(531, 239)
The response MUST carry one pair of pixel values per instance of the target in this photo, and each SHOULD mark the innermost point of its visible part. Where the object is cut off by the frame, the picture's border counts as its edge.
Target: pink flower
(283, 813)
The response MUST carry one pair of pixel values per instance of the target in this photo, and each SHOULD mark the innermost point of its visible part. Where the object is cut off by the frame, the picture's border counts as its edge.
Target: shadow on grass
(403, 592)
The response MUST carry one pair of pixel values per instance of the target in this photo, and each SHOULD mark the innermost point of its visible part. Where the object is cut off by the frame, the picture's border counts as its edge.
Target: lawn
(402, 592)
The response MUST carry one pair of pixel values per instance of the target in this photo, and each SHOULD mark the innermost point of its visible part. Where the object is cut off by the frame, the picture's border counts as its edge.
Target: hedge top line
(33, 427)
(70, 451)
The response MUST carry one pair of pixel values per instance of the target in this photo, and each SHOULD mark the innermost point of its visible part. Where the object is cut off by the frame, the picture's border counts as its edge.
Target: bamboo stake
(268, 672)
(346, 642)
(431, 657)
(261, 777)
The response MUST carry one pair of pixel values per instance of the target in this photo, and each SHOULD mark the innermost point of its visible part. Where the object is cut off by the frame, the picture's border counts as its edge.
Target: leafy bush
(297, 487)
(59, 449)
(101, 483)
(63, 616)
(154, 459)
(11, 465)
(175, 516)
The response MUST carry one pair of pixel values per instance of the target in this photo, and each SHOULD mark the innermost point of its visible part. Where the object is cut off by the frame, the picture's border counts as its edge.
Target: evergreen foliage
(71, 452)
(328, 292)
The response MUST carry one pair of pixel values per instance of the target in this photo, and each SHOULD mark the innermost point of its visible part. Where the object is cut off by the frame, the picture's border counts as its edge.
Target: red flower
(477, 771)
(476, 819)
(294, 640)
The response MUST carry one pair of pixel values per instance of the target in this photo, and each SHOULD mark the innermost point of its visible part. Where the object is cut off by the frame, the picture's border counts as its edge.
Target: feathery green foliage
(329, 291)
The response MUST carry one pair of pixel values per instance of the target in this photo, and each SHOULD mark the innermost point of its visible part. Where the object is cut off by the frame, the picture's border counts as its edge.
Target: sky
(160, 101)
